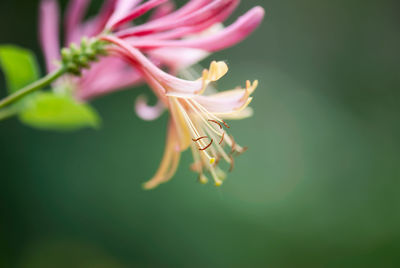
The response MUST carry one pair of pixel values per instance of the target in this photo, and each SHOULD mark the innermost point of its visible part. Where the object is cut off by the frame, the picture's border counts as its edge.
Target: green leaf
(19, 66)
(58, 112)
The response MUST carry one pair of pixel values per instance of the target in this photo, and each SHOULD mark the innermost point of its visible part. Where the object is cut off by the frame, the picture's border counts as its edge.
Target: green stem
(32, 87)
(8, 112)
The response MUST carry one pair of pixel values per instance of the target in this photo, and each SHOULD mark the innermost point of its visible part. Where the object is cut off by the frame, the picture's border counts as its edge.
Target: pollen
(212, 160)
(218, 183)
(203, 179)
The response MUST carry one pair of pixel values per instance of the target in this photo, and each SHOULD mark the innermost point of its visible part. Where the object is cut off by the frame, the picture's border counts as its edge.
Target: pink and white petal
(241, 114)
(74, 15)
(230, 36)
(162, 10)
(225, 102)
(49, 31)
(136, 12)
(107, 77)
(205, 14)
(110, 74)
(178, 58)
(205, 28)
(122, 8)
(147, 112)
(192, 32)
(189, 7)
(172, 83)
(97, 24)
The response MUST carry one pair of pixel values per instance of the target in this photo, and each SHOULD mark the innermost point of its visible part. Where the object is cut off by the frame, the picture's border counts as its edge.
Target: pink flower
(194, 29)
(183, 37)
(175, 39)
(197, 119)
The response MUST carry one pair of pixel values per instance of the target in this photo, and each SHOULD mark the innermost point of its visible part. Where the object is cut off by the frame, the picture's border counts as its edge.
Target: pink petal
(172, 82)
(183, 31)
(137, 12)
(227, 104)
(108, 75)
(74, 15)
(178, 58)
(97, 24)
(147, 112)
(162, 10)
(48, 32)
(230, 36)
(122, 8)
(189, 7)
(204, 14)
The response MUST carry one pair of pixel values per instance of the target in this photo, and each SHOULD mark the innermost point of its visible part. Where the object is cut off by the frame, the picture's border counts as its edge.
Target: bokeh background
(319, 186)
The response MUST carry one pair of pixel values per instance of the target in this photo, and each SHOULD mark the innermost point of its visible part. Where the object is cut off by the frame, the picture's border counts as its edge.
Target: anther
(216, 122)
(232, 163)
(199, 138)
(222, 138)
(202, 149)
(233, 145)
(225, 124)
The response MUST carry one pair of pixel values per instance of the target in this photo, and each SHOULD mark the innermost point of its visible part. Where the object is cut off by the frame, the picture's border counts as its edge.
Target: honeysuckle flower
(182, 37)
(175, 39)
(197, 119)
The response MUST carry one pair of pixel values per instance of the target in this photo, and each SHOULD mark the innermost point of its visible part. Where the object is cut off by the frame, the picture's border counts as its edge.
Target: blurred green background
(319, 186)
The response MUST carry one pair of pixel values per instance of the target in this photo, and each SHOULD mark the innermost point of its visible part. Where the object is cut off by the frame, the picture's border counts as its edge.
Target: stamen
(217, 180)
(202, 149)
(232, 163)
(225, 124)
(204, 137)
(222, 138)
(216, 122)
(233, 145)
(192, 128)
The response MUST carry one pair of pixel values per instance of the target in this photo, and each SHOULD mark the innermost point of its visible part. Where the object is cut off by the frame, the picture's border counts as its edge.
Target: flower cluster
(174, 39)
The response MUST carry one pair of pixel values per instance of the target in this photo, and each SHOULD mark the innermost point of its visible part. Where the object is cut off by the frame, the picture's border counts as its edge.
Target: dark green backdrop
(319, 186)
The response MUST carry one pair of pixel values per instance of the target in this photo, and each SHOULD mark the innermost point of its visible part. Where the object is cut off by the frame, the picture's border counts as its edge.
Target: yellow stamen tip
(203, 179)
(212, 160)
(218, 183)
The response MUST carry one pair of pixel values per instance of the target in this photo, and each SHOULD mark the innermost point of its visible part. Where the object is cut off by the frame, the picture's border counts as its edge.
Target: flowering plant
(108, 53)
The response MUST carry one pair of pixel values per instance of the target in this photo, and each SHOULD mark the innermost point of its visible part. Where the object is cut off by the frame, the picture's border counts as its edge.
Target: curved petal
(108, 75)
(241, 114)
(230, 101)
(205, 14)
(162, 10)
(178, 58)
(48, 32)
(171, 82)
(147, 112)
(230, 36)
(122, 9)
(137, 12)
(169, 162)
(96, 25)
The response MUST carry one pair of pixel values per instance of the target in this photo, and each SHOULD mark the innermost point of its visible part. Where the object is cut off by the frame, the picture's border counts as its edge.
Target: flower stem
(32, 87)
(8, 112)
